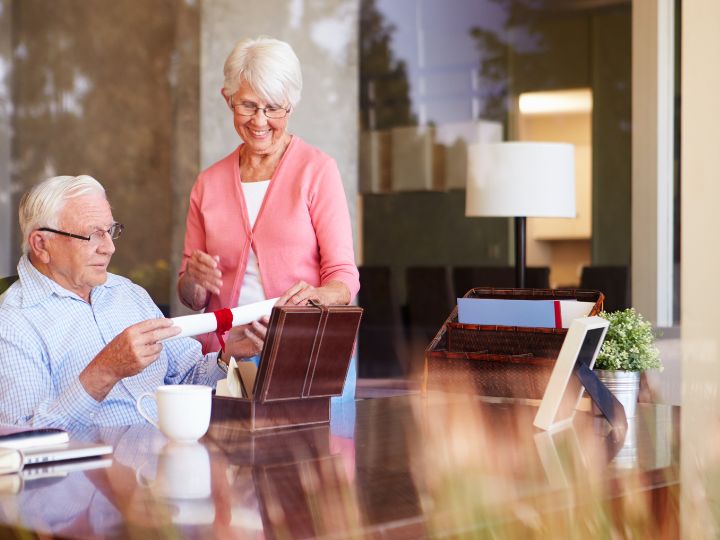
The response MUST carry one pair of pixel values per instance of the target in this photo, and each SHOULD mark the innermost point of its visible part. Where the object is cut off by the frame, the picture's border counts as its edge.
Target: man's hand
(128, 354)
(246, 340)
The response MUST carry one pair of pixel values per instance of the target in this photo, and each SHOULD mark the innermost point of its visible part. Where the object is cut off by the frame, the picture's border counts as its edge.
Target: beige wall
(653, 155)
(700, 462)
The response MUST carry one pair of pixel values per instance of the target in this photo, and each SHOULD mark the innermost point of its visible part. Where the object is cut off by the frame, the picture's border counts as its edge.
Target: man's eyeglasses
(95, 237)
(248, 108)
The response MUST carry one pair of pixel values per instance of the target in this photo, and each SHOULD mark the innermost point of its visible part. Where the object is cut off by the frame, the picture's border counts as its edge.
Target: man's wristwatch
(221, 364)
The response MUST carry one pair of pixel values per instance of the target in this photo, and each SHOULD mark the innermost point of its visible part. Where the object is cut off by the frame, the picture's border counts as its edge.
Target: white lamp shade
(513, 179)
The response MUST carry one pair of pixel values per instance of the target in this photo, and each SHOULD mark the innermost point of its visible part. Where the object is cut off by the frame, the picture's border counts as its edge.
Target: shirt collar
(36, 286)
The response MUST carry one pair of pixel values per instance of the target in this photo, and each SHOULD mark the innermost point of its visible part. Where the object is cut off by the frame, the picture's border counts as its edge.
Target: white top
(252, 289)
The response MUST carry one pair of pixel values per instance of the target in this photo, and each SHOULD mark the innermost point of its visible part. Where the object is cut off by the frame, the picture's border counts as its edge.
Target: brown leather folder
(303, 363)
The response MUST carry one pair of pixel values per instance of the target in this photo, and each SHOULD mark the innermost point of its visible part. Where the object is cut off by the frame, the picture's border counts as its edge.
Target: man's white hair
(41, 206)
(269, 66)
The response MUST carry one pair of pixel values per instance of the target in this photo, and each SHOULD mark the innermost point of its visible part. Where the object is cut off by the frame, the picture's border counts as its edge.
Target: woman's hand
(247, 340)
(332, 293)
(202, 277)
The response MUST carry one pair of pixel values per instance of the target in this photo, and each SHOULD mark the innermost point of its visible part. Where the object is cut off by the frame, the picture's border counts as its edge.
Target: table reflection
(408, 466)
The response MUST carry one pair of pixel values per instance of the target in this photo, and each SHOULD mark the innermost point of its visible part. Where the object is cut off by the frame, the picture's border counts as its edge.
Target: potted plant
(628, 350)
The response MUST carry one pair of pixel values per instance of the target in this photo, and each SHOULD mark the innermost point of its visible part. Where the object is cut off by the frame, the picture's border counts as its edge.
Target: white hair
(269, 66)
(41, 206)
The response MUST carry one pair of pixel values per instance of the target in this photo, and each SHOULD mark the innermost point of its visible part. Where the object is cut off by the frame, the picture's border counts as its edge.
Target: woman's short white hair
(269, 66)
(41, 206)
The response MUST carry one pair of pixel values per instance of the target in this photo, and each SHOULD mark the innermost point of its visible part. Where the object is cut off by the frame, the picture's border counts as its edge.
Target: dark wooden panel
(253, 415)
(289, 350)
(334, 353)
(291, 412)
(271, 446)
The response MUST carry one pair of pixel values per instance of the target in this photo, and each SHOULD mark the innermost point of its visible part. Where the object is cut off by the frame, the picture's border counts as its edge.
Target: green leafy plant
(629, 343)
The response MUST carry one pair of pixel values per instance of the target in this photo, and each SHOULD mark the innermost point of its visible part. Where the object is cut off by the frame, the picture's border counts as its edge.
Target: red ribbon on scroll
(224, 318)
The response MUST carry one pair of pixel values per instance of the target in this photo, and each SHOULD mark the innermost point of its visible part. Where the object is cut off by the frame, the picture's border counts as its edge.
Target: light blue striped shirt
(49, 334)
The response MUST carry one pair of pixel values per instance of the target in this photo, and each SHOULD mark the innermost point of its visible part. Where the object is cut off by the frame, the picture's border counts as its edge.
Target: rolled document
(193, 325)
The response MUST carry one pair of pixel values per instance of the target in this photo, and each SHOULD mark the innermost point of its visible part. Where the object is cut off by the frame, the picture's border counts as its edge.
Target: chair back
(5, 283)
(429, 298)
(612, 281)
(379, 340)
(497, 277)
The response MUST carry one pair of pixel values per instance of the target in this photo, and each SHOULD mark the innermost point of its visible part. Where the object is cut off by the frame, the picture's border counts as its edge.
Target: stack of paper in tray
(528, 313)
(240, 380)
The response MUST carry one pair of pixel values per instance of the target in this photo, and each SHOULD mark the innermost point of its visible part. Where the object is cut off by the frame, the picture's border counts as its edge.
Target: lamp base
(520, 252)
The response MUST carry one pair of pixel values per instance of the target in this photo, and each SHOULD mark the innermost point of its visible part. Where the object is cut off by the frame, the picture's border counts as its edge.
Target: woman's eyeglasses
(248, 108)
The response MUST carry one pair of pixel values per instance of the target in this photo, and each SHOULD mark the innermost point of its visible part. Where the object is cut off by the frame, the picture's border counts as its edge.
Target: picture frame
(563, 392)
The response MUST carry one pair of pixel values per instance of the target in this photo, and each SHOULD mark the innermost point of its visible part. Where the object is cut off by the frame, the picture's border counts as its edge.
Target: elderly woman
(271, 219)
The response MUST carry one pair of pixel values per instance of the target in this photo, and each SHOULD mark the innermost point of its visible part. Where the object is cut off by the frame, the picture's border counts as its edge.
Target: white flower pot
(625, 385)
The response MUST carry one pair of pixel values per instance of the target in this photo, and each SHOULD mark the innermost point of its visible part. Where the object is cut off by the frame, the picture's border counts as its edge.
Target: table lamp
(520, 180)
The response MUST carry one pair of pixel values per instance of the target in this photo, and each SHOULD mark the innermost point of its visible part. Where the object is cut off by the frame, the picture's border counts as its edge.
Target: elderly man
(78, 345)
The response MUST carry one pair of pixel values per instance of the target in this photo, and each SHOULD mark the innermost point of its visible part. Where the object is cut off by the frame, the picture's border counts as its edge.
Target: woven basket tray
(501, 361)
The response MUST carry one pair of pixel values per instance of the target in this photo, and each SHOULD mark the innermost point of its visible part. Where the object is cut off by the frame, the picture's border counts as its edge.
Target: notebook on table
(64, 452)
(24, 437)
(22, 446)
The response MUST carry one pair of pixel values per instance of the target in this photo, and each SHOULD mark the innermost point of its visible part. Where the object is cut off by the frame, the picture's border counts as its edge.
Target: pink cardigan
(302, 232)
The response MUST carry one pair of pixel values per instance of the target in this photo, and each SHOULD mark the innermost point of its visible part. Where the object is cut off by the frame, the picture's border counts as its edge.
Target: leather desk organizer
(303, 364)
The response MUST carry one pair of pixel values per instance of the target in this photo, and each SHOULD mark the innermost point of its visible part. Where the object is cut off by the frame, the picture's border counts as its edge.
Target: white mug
(183, 410)
(183, 472)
